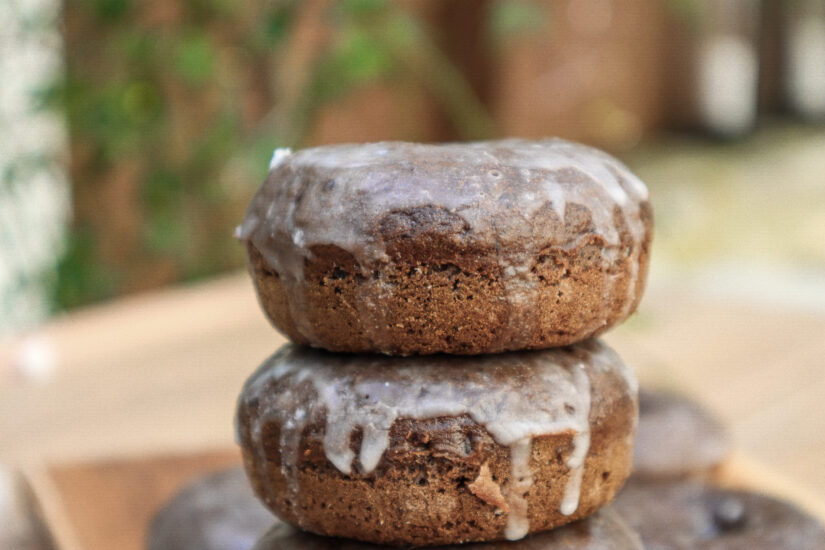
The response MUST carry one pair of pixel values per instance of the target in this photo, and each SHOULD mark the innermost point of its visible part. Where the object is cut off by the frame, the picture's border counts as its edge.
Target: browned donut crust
(536, 258)
(440, 480)
(603, 530)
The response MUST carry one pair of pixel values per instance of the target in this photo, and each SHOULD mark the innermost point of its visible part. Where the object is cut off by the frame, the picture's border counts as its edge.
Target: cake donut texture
(471, 248)
(438, 450)
(601, 531)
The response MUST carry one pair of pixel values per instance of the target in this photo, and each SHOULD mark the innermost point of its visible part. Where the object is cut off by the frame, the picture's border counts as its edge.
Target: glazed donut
(677, 437)
(215, 512)
(485, 247)
(687, 515)
(434, 450)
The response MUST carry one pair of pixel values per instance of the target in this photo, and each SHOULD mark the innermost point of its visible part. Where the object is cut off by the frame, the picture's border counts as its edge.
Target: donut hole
(729, 514)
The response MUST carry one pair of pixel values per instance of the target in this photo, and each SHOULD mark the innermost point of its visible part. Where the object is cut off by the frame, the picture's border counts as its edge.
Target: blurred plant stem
(409, 48)
(412, 44)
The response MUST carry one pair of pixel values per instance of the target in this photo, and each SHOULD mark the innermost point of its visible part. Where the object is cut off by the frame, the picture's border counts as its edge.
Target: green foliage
(514, 18)
(108, 11)
(355, 59)
(81, 276)
(194, 58)
(157, 101)
(693, 12)
(379, 41)
(276, 25)
(361, 9)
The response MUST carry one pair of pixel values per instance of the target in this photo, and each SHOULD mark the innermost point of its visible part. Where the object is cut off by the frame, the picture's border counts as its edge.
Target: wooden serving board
(109, 504)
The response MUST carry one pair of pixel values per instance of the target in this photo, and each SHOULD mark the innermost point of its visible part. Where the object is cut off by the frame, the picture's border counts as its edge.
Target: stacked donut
(443, 385)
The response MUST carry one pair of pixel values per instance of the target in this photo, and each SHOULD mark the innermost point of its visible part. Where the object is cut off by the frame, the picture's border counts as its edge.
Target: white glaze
(339, 195)
(515, 397)
(278, 155)
(581, 445)
(521, 479)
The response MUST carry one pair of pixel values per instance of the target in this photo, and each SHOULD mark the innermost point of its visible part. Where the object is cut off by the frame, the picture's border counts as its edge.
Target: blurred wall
(33, 186)
(592, 72)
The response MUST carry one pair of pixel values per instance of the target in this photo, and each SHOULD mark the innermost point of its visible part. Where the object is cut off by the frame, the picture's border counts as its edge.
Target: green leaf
(357, 59)
(165, 232)
(141, 102)
(195, 58)
(110, 10)
(512, 18)
(161, 188)
(362, 8)
(693, 12)
(278, 23)
(81, 277)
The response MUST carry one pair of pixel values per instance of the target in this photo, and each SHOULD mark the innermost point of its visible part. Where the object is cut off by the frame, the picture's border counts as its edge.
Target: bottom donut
(438, 450)
(689, 515)
(677, 437)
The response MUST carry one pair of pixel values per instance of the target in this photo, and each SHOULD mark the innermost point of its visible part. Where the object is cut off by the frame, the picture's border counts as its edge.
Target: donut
(431, 450)
(601, 531)
(406, 249)
(677, 437)
(217, 511)
(682, 515)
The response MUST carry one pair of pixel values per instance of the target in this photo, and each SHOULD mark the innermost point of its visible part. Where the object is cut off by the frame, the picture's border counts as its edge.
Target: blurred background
(135, 132)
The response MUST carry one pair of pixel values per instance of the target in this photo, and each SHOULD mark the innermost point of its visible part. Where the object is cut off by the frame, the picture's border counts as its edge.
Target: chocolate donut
(215, 512)
(687, 515)
(438, 449)
(471, 248)
(602, 531)
(677, 437)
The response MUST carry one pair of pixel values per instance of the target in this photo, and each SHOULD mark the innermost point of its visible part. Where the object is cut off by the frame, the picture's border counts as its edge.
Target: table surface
(112, 504)
(160, 373)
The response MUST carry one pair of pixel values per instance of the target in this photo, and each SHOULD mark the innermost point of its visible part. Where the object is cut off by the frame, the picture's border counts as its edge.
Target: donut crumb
(488, 490)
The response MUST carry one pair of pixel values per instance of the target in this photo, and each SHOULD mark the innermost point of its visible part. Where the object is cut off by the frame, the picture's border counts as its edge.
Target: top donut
(469, 248)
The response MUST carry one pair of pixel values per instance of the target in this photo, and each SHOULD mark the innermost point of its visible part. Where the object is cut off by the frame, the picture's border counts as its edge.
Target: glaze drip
(521, 479)
(339, 195)
(581, 445)
(515, 397)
